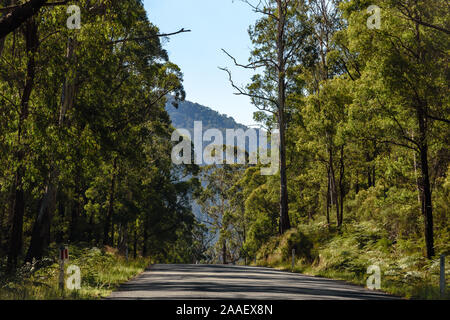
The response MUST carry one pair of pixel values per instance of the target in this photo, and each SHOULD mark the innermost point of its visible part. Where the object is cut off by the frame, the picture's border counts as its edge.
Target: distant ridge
(188, 112)
(184, 116)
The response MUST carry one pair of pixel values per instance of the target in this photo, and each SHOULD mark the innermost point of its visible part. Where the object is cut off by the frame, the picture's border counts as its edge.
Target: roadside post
(293, 259)
(442, 276)
(63, 256)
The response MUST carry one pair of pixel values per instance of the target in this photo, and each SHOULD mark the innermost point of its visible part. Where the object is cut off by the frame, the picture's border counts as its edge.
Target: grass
(346, 255)
(102, 271)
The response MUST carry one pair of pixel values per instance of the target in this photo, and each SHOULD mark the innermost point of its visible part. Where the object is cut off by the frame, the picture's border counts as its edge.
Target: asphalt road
(191, 282)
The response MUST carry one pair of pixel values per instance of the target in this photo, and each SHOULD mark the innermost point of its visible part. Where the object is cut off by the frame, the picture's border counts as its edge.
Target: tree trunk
(224, 251)
(112, 239)
(373, 175)
(284, 208)
(2, 224)
(341, 188)
(357, 183)
(427, 207)
(328, 196)
(40, 237)
(3, 39)
(415, 174)
(32, 43)
(122, 242)
(106, 238)
(14, 19)
(74, 235)
(135, 243)
(144, 244)
(91, 227)
(17, 227)
(333, 193)
(284, 204)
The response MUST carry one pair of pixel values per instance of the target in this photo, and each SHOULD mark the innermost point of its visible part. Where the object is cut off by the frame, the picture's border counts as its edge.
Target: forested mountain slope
(188, 112)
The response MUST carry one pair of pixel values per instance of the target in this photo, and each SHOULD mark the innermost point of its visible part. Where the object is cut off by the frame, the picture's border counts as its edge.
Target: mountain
(184, 116)
(187, 112)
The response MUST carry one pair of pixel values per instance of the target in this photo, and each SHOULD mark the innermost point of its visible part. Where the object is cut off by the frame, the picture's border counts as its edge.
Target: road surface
(192, 282)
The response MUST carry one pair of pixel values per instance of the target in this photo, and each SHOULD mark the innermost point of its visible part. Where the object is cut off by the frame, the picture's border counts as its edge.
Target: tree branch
(408, 15)
(16, 15)
(150, 37)
(10, 8)
(241, 92)
(253, 65)
(437, 118)
(257, 9)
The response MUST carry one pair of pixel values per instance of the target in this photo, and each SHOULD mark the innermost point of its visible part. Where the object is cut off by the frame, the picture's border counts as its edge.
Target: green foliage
(85, 149)
(295, 239)
(367, 144)
(85, 145)
(102, 271)
(347, 255)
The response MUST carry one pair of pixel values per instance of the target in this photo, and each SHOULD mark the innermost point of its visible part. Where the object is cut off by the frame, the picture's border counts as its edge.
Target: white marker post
(442, 277)
(293, 259)
(63, 256)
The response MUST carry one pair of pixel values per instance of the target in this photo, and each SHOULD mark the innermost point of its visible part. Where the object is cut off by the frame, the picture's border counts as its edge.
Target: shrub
(295, 239)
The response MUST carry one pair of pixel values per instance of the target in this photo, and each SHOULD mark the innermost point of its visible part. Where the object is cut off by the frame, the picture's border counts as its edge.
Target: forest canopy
(358, 90)
(85, 138)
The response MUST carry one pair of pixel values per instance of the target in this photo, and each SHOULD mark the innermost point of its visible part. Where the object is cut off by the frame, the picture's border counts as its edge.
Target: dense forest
(85, 138)
(360, 95)
(360, 98)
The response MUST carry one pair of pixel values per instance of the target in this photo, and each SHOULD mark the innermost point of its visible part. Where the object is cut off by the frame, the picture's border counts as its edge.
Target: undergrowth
(102, 271)
(345, 254)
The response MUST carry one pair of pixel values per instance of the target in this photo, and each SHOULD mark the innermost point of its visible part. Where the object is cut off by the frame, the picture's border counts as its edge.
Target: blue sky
(215, 24)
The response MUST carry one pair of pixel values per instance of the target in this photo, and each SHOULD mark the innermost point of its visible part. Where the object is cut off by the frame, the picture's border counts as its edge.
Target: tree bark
(341, 188)
(224, 251)
(40, 238)
(2, 219)
(422, 120)
(135, 243)
(357, 183)
(328, 196)
(427, 208)
(15, 245)
(373, 175)
(284, 208)
(76, 209)
(144, 244)
(3, 39)
(106, 238)
(16, 17)
(32, 43)
(334, 191)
